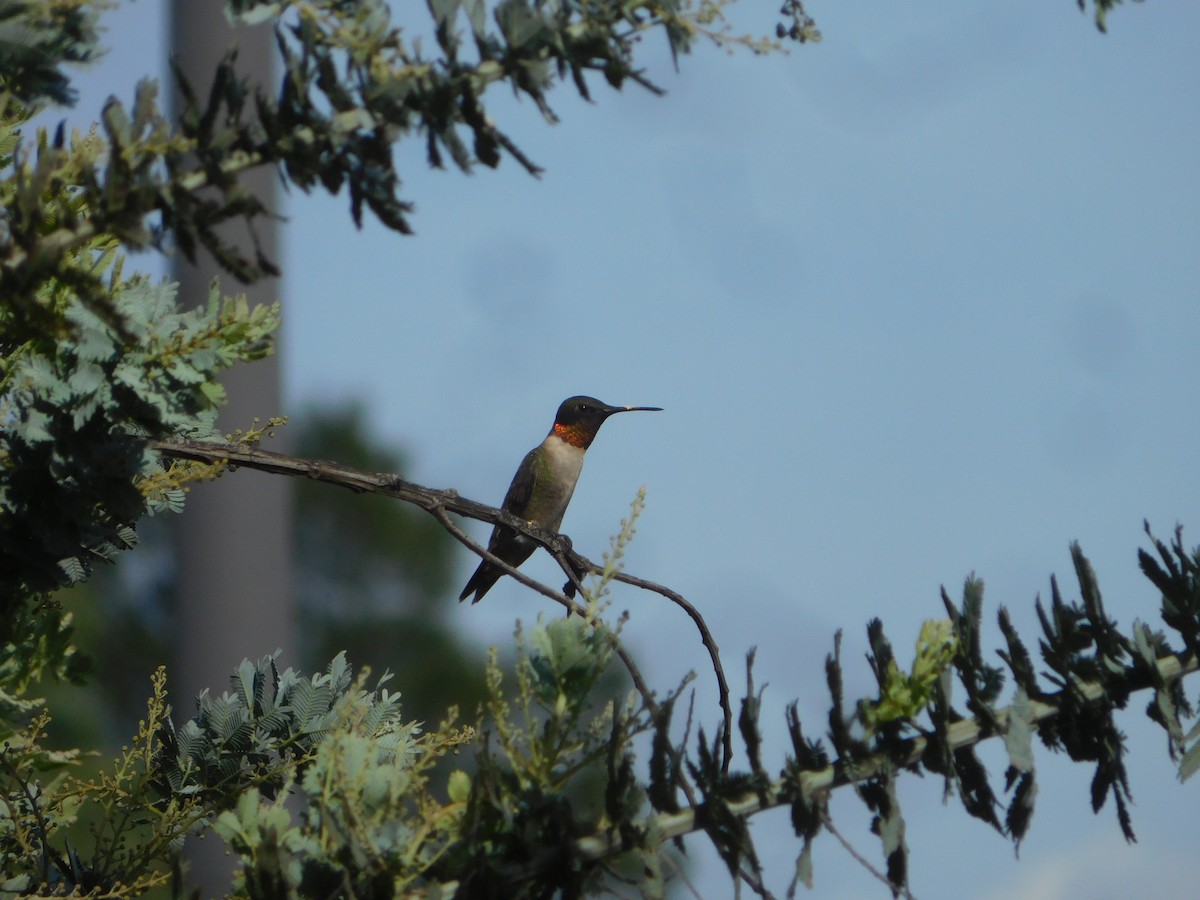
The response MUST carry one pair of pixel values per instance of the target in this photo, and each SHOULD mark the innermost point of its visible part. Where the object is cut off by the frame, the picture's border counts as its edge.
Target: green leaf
(87, 378)
(1191, 758)
(1018, 738)
(804, 870)
(34, 427)
(444, 11)
(477, 16)
(252, 12)
(73, 569)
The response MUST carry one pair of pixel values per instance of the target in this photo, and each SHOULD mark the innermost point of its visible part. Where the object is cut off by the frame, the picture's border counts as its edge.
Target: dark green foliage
(847, 748)
(666, 761)
(1102, 8)
(362, 771)
(44, 651)
(623, 794)
(368, 825)
(1020, 778)
(122, 851)
(728, 831)
(219, 128)
(1020, 810)
(1017, 657)
(961, 767)
(973, 787)
(520, 828)
(37, 40)
(78, 412)
(1178, 579)
(1094, 666)
(882, 661)
(748, 721)
(1080, 643)
(983, 682)
(353, 85)
(517, 827)
(879, 795)
(373, 575)
(807, 807)
(801, 28)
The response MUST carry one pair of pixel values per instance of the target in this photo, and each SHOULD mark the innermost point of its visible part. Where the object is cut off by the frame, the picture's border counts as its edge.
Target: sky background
(919, 300)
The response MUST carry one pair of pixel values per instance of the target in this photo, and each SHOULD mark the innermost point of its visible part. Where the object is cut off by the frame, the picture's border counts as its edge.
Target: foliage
(372, 823)
(273, 730)
(528, 839)
(131, 834)
(353, 84)
(555, 801)
(541, 752)
(38, 39)
(905, 696)
(44, 651)
(1102, 9)
(78, 413)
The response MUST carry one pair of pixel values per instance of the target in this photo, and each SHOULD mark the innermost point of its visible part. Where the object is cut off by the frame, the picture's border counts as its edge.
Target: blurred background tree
(373, 576)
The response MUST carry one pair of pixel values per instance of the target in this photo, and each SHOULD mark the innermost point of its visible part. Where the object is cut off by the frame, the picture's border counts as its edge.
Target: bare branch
(439, 503)
(897, 890)
(429, 499)
(463, 538)
(710, 644)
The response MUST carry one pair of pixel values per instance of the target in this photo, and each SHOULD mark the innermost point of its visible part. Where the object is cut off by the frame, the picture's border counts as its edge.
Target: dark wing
(516, 501)
(504, 542)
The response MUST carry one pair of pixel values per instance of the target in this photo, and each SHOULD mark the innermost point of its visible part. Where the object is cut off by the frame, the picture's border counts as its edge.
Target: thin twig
(710, 644)
(49, 854)
(898, 890)
(463, 538)
(681, 873)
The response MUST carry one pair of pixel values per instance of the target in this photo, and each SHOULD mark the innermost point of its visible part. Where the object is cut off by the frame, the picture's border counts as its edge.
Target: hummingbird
(544, 483)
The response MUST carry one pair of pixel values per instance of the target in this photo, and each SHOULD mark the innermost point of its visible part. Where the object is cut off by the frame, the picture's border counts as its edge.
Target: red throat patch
(574, 435)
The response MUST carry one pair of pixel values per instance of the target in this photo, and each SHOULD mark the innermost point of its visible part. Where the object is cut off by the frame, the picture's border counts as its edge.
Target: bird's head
(579, 418)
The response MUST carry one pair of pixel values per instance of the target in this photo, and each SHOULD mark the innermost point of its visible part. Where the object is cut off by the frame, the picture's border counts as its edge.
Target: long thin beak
(638, 409)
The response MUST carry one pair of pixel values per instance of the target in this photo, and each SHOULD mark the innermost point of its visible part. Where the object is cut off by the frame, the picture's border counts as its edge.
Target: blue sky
(919, 300)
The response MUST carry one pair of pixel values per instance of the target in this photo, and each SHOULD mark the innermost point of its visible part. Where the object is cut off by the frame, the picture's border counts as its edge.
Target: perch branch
(439, 503)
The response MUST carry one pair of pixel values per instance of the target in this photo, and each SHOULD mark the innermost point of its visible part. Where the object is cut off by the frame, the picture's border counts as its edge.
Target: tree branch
(439, 503)
(965, 733)
(572, 607)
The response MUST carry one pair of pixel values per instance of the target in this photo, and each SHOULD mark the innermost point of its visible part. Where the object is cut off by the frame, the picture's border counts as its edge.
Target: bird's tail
(481, 582)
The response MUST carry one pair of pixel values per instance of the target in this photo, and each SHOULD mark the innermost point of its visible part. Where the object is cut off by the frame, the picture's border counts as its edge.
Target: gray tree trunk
(235, 576)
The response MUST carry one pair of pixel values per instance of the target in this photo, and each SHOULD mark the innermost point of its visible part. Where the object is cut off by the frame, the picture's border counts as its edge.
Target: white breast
(561, 465)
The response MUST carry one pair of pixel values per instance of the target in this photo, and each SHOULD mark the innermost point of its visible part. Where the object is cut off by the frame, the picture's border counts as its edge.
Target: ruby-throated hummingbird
(542, 487)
